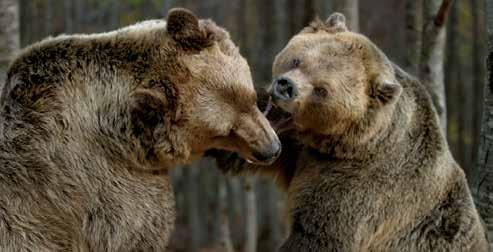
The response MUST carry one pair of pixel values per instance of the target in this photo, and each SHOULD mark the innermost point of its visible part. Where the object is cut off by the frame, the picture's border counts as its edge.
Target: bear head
(211, 101)
(336, 84)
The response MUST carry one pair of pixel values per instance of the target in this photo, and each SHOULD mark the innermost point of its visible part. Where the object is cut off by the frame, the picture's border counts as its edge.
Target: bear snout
(269, 154)
(284, 88)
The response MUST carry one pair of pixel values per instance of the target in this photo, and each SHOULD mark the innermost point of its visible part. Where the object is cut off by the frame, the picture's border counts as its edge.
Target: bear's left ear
(386, 92)
(183, 27)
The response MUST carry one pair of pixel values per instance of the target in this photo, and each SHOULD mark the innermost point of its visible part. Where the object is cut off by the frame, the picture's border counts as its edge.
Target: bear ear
(147, 112)
(337, 22)
(387, 92)
(183, 27)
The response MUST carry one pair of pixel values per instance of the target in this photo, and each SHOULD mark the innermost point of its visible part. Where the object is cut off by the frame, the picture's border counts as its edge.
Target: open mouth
(280, 120)
(251, 159)
(256, 162)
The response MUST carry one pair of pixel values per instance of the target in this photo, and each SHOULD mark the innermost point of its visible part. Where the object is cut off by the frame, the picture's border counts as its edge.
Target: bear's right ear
(183, 27)
(336, 22)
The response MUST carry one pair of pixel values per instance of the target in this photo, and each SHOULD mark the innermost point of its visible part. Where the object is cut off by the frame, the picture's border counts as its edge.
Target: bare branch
(442, 14)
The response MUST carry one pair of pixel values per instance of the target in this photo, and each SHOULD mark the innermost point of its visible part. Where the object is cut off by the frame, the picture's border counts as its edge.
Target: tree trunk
(226, 243)
(68, 12)
(451, 70)
(414, 20)
(49, 18)
(350, 9)
(293, 23)
(432, 51)
(477, 75)
(251, 216)
(309, 11)
(463, 91)
(483, 184)
(9, 35)
(192, 207)
(115, 14)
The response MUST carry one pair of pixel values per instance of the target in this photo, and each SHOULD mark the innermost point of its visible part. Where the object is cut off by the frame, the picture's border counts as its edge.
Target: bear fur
(364, 163)
(91, 124)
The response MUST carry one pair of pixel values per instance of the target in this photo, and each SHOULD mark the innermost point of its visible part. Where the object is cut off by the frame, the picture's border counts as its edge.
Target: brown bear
(91, 124)
(364, 163)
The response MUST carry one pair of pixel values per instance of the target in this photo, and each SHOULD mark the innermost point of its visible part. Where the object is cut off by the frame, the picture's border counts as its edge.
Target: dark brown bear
(91, 124)
(365, 165)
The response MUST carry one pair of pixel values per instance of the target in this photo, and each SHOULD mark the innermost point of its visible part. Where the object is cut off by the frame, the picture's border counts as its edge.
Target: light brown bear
(91, 125)
(364, 163)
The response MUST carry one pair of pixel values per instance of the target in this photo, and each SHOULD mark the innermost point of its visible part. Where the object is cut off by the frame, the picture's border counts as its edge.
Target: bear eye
(320, 92)
(295, 63)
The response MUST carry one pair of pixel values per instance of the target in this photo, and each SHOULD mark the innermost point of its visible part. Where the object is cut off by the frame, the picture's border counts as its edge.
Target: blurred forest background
(218, 213)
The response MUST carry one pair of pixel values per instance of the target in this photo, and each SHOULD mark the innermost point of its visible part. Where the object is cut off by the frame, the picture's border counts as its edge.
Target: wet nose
(284, 89)
(270, 154)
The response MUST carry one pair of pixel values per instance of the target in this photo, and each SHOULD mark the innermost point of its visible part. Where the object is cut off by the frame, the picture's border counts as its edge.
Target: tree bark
(414, 20)
(432, 51)
(350, 9)
(49, 18)
(294, 17)
(115, 14)
(477, 75)
(192, 206)
(463, 89)
(68, 12)
(9, 35)
(309, 11)
(451, 73)
(483, 184)
(251, 216)
(226, 243)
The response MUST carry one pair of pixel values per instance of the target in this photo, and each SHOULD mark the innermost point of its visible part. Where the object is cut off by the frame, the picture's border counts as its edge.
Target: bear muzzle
(284, 89)
(268, 155)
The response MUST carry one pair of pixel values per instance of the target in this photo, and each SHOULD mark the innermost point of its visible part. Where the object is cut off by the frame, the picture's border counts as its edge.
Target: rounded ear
(386, 91)
(183, 27)
(337, 22)
(147, 112)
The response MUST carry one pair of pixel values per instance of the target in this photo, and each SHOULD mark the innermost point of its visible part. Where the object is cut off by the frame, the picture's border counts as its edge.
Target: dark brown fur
(91, 125)
(378, 177)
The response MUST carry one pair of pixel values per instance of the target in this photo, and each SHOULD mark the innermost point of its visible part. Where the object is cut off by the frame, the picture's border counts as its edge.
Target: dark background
(215, 212)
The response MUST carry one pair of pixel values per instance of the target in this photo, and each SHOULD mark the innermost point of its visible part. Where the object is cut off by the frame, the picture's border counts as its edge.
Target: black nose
(270, 154)
(284, 89)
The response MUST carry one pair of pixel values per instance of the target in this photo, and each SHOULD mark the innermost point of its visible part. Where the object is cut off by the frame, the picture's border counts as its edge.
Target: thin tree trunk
(251, 32)
(236, 209)
(432, 51)
(483, 184)
(226, 243)
(310, 11)
(49, 17)
(68, 12)
(251, 216)
(232, 22)
(115, 14)
(192, 207)
(350, 9)
(80, 17)
(9, 35)
(477, 75)
(464, 88)
(414, 20)
(292, 10)
(451, 70)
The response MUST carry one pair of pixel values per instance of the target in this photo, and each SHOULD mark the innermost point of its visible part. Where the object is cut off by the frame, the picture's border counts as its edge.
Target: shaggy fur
(91, 124)
(365, 165)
